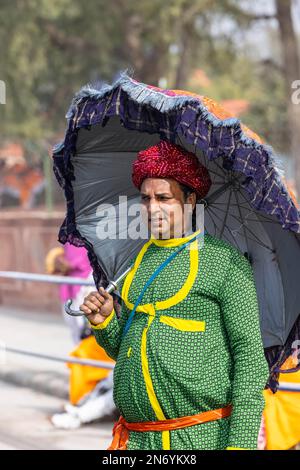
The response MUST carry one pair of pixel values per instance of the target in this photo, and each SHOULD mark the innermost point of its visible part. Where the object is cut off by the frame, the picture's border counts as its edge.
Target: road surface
(25, 425)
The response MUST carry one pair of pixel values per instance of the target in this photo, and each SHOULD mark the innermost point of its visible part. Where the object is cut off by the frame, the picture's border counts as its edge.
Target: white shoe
(65, 421)
(71, 409)
(96, 408)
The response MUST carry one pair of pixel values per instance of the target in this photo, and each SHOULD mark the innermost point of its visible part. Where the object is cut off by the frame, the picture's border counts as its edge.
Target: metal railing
(23, 276)
(69, 359)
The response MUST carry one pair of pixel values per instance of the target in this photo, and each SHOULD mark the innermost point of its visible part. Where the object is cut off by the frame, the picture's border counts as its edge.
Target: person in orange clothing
(91, 388)
(83, 379)
(282, 412)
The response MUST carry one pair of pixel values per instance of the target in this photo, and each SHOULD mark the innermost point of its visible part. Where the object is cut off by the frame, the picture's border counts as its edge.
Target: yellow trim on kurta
(176, 298)
(129, 351)
(149, 386)
(187, 286)
(171, 242)
(150, 310)
(236, 448)
(183, 324)
(146, 308)
(103, 325)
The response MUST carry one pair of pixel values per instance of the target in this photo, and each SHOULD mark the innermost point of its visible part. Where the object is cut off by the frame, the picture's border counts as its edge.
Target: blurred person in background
(90, 388)
(73, 261)
(281, 417)
(92, 406)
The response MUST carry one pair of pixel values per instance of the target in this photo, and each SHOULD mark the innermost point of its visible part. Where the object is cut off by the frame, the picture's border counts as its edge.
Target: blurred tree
(291, 73)
(53, 48)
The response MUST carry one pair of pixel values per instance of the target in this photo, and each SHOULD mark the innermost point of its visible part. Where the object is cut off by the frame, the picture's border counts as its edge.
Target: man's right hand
(97, 306)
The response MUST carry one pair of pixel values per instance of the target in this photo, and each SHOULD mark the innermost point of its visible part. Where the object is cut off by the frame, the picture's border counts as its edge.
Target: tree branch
(65, 41)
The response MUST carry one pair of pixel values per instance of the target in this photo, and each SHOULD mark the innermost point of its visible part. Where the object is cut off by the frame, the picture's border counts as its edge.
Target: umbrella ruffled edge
(139, 93)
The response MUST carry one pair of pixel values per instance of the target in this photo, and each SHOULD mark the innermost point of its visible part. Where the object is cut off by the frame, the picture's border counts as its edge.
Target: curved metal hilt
(113, 285)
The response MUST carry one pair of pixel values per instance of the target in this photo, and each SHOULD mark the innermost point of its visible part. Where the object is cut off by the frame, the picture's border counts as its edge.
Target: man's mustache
(154, 219)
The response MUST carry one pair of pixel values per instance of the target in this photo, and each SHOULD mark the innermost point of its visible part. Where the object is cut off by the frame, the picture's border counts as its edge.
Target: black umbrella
(248, 204)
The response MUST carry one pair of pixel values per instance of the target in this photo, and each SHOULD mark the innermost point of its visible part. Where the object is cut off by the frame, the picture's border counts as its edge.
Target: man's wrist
(106, 321)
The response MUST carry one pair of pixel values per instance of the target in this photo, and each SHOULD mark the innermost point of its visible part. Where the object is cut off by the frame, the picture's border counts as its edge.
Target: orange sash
(121, 428)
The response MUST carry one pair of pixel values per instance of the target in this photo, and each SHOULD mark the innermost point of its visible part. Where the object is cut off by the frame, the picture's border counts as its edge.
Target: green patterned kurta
(168, 367)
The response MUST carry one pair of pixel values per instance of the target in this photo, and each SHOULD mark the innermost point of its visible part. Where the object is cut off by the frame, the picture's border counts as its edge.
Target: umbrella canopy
(248, 204)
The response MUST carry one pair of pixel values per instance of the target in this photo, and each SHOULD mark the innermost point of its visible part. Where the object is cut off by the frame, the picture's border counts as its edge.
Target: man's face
(163, 202)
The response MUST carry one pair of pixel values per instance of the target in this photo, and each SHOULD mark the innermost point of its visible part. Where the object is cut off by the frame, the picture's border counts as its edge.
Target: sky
(257, 39)
(258, 35)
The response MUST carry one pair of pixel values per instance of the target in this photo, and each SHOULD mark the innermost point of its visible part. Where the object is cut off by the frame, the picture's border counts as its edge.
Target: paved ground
(38, 331)
(33, 389)
(24, 423)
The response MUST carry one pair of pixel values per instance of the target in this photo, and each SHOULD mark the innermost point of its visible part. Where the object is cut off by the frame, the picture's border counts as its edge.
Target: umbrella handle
(113, 285)
(70, 311)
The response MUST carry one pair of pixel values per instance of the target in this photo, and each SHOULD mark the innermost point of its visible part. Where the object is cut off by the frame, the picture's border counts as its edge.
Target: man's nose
(153, 206)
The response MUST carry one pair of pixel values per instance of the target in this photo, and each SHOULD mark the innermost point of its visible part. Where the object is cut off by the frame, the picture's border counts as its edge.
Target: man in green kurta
(194, 345)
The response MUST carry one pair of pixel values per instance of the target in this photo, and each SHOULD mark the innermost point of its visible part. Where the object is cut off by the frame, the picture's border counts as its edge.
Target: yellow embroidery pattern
(149, 386)
(183, 324)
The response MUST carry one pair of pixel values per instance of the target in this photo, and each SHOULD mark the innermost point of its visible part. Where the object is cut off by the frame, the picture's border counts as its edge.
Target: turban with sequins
(167, 160)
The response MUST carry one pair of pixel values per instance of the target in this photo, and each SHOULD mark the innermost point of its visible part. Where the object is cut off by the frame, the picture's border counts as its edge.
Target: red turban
(166, 160)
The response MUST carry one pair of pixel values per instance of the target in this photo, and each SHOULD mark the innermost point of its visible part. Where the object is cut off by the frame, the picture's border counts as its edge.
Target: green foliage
(53, 48)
